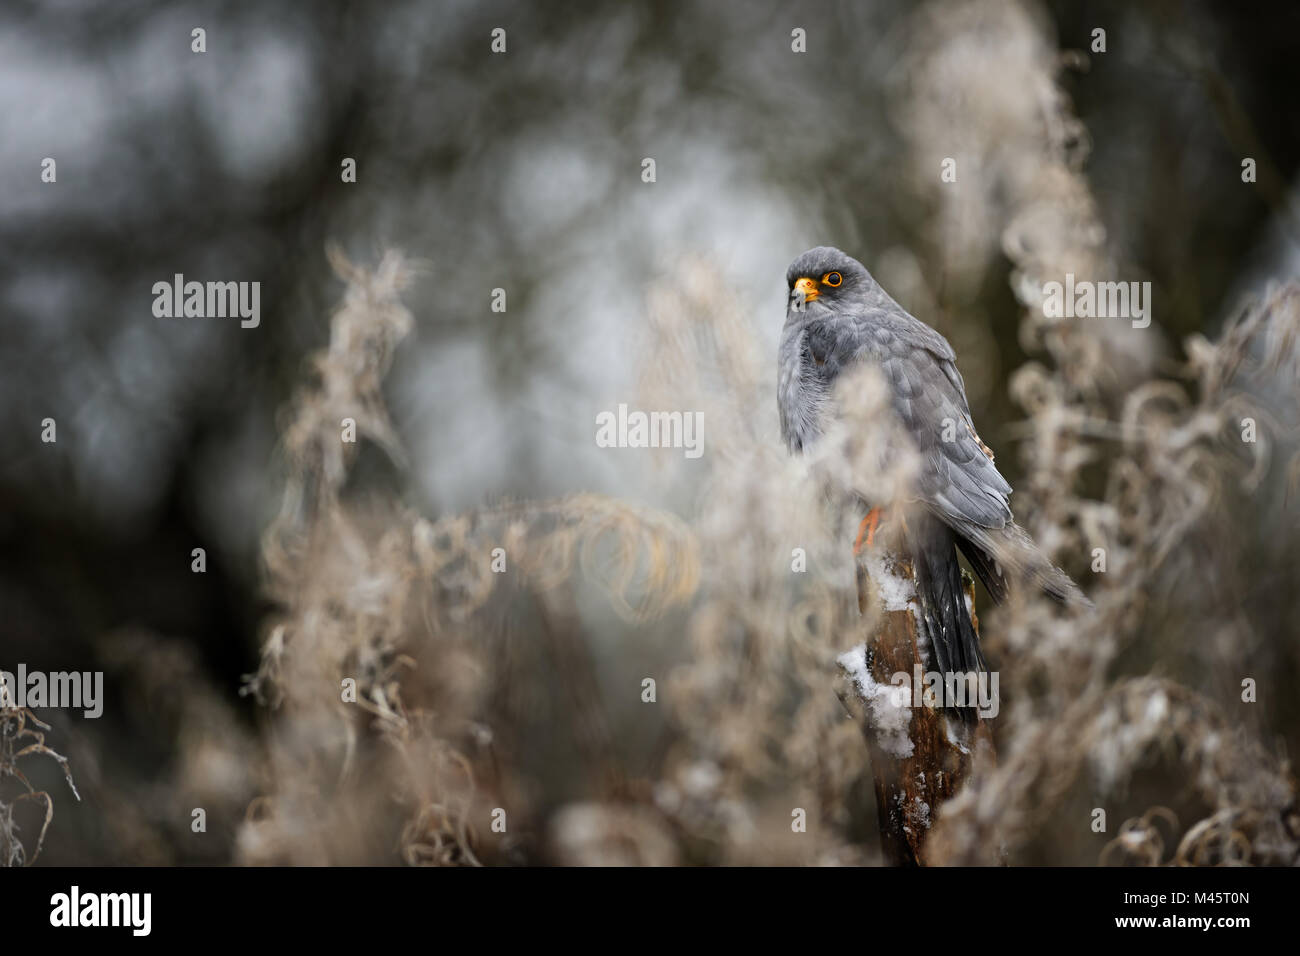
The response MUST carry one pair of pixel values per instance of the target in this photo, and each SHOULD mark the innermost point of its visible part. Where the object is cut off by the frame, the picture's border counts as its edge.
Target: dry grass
(405, 605)
(21, 736)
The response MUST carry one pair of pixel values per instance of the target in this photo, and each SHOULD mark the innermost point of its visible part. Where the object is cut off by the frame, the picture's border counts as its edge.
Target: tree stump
(920, 754)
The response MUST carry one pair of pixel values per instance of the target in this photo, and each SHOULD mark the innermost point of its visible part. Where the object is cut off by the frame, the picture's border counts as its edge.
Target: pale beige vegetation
(404, 604)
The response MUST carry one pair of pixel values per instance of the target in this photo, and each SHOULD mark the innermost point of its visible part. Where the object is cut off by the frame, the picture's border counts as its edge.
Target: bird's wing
(957, 479)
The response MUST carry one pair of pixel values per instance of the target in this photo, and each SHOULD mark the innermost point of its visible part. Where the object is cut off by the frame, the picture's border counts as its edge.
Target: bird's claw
(868, 529)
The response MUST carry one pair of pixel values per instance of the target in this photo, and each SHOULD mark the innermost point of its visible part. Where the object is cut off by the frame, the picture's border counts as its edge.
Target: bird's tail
(942, 597)
(1006, 557)
(1002, 558)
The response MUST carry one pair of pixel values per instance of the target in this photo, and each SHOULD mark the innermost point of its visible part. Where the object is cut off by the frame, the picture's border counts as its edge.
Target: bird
(839, 318)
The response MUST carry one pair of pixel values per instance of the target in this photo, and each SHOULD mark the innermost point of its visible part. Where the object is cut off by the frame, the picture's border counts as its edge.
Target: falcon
(838, 318)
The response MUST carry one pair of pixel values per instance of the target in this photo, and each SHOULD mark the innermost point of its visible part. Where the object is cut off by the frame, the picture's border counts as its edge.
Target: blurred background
(523, 171)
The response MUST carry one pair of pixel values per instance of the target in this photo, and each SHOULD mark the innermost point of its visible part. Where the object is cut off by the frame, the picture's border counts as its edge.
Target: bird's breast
(802, 385)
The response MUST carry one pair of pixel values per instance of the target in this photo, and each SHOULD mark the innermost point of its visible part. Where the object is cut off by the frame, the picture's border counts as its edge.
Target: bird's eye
(832, 279)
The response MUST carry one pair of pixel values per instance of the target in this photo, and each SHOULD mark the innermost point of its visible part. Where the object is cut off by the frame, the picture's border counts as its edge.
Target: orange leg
(867, 528)
(873, 520)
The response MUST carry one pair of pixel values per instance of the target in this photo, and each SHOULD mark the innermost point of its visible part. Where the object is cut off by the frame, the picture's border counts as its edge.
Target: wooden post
(920, 755)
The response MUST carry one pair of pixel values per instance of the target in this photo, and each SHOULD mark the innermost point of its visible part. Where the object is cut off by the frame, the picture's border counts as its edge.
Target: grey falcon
(838, 316)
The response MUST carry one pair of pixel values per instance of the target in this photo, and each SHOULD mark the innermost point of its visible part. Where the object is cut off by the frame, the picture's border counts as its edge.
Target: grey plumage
(964, 500)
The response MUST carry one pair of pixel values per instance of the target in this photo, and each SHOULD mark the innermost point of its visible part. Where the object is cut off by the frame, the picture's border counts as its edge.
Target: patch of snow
(922, 812)
(897, 591)
(952, 738)
(887, 703)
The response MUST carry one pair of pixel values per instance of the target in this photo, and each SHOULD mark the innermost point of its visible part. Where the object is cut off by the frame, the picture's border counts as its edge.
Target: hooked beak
(808, 287)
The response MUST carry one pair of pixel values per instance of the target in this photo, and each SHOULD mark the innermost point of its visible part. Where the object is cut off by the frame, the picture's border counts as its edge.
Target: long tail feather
(1004, 558)
(943, 597)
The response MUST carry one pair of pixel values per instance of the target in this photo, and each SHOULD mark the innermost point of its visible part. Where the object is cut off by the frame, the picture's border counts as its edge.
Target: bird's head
(827, 276)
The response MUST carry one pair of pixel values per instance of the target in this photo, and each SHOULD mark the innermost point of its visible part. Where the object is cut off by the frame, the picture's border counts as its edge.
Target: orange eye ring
(833, 279)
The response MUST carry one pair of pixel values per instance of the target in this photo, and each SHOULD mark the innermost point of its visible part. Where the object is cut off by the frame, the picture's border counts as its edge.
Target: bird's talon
(868, 529)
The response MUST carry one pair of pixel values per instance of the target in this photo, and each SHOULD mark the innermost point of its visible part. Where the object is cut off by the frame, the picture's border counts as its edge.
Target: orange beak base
(808, 287)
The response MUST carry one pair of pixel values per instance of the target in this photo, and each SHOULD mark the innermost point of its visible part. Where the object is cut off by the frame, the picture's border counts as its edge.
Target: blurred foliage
(522, 171)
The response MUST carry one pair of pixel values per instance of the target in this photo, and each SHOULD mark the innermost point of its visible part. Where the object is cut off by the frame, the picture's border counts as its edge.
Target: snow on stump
(920, 753)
